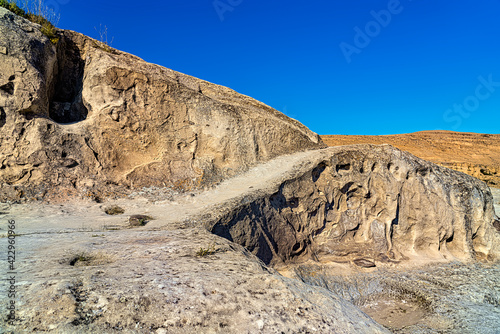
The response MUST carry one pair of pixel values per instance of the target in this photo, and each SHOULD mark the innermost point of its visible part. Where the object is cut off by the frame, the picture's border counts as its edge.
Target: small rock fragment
(139, 220)
(364, 263)
(496, 225)
(114, 210)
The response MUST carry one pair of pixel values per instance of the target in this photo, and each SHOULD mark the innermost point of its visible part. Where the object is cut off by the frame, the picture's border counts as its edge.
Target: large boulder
(86, 118)
(366, 204)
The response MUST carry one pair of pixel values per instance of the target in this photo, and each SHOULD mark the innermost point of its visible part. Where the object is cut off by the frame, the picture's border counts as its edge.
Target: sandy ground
(439, 298)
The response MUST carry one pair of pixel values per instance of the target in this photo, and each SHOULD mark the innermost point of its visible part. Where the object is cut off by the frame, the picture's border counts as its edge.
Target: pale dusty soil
(466, 152)
(395, 313)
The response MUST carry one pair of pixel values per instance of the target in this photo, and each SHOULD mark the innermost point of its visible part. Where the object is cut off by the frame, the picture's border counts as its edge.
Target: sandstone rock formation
(85, 118)
(74, 276)
(366, 202)
(91, 119)
(475, 154)
(496, 200)
(83, 270)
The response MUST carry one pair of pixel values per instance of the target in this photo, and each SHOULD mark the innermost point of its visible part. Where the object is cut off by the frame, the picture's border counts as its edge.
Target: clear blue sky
(339, 67)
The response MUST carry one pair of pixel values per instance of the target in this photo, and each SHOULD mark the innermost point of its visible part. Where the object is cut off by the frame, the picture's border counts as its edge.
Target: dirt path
(90, 216)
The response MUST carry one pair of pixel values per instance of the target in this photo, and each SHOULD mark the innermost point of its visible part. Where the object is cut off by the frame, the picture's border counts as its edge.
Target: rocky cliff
(368, 204)
(82, 118)
(85, 271)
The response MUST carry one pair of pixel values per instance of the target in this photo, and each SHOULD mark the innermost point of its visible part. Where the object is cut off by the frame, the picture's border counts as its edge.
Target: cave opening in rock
(8, 88)
(3, 117)
(66, 104)
(343, 167)
(316, 173)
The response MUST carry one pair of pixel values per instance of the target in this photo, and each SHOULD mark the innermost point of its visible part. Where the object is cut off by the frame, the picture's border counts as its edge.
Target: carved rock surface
(475, 154)
(365, 201)
(88, 118)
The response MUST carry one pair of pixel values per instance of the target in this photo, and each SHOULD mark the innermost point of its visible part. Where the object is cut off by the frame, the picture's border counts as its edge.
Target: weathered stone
(125, 122)
(496, 224)
(232, 286)
(475, 154)
(439, 298)
(365, 201)
(365, 263)
(496, 200)
(83, 118)
(139, 220)
(136, 280)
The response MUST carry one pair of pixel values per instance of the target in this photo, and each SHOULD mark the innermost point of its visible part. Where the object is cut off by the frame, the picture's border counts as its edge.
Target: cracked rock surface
(101, 280)
(438, 298)
(366, 203)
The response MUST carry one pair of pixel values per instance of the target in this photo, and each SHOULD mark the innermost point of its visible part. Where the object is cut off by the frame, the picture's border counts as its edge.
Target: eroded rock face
(486, 173)
(475, 154)
(367, 202)
(87, 118)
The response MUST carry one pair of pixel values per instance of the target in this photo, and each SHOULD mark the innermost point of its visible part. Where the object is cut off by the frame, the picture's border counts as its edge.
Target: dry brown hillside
(472, 153)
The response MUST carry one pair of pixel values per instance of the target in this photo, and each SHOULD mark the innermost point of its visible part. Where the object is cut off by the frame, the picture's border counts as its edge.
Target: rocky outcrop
(155, 281)
(475, 154)
(82, 118)
(370, 203)
(84, 270)
(486, 173)
(496, 202)
(85, 118)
